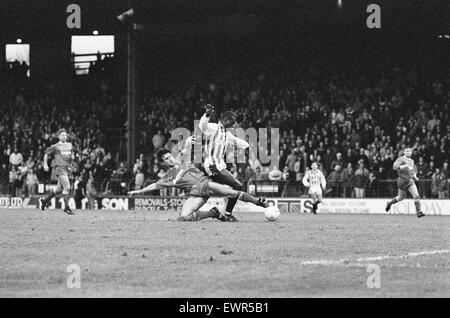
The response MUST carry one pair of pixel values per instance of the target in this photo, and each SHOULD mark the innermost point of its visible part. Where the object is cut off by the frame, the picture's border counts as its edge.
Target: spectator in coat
(16, 158)
(373, 186)
(139, 179)
(285, 176)
(259, 175)
(290, 162)
(80, 191)
(445, 170)
(439, 184)
(338, 161)
(4, 177)
(361, 179)
(91, 192)
(348, 181)
(31, 182)
(334, 181)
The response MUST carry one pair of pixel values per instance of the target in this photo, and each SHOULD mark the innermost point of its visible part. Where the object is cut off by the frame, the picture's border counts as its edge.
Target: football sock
(200, 215)
(49, 196)
(66, 201)
(192, 217)
(197, 216)
(393, 201)
(230, 205)
(417, 204)
(247, 198)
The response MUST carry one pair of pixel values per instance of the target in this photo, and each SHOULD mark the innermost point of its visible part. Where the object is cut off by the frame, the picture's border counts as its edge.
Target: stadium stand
(357, 125)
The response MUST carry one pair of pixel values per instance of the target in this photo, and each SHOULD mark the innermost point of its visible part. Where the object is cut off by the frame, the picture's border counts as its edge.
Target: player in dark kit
(201, 187)
(216, 143)
(406, 171)
(63, 152)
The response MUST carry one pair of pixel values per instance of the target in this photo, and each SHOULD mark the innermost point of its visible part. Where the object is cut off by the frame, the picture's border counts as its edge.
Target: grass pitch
(142, 254)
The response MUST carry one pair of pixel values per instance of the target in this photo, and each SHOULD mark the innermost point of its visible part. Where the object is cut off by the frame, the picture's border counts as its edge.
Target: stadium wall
(286, 205)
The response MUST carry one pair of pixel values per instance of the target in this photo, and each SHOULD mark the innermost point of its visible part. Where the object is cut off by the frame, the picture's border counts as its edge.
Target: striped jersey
(314, 179)
(217, 139)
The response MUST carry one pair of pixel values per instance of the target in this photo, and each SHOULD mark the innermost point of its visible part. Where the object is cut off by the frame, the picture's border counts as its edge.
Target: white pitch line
(371, 259)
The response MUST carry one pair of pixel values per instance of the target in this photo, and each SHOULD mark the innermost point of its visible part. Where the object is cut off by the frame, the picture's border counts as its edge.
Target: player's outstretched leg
(390, 203)
(45, 201)
(190, 210)
(226, 191)
(314, 207)
(398, 198)
(317, 199)
(415, 194)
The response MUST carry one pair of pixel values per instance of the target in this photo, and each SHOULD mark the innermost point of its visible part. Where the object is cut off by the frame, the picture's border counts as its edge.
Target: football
(272, 213)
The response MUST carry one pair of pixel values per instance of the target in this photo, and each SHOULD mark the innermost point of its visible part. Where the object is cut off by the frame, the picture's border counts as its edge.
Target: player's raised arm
(238, 142)
(186, 151)
(206, 127)
(188, 145)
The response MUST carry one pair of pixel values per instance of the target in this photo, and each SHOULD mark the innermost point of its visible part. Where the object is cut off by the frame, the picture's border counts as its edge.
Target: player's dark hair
(60, 131)
(228, 115)
(162, 152)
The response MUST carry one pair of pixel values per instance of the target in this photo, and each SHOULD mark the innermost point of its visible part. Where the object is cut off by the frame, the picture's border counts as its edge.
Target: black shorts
(225, 177)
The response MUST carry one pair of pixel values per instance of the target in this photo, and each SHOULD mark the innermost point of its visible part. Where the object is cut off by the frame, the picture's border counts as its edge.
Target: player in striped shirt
(63, 151)
(407, 174)
(216, 144)
(183, 174)
(315, 180)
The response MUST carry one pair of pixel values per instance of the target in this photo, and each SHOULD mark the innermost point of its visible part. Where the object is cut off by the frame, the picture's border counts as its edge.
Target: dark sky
(34, 19)
(178, 33)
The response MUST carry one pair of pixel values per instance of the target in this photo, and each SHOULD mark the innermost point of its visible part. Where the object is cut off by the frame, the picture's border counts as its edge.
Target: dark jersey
(182, 177)
(62, 152)
(405, 173)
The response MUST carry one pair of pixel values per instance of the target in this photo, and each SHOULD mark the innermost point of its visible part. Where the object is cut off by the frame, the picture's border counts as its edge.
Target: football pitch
(143, 254)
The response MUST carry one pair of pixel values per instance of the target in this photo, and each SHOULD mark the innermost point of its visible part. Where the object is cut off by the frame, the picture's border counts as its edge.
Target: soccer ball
(272, 213)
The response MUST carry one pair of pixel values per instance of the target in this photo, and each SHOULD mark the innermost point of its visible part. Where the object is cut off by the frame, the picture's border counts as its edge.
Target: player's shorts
(200, 188)
(315, 190)
(404, 184)
(61, 171)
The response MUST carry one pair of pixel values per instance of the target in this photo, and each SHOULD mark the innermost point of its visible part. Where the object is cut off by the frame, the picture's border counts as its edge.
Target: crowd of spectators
(31, 115)
(354, 126)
